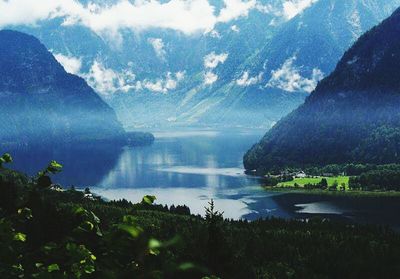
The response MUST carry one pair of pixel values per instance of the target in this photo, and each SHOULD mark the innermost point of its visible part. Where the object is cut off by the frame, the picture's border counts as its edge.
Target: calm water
(191, 167)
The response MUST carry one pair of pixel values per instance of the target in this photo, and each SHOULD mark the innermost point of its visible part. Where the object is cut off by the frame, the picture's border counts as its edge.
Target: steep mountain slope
(40, 102)
(352, 116)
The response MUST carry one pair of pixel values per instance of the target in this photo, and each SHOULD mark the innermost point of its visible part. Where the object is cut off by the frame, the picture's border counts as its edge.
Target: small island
(139, 138)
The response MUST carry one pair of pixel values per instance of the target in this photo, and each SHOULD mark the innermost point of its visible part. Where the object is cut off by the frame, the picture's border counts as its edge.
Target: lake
(191, 167)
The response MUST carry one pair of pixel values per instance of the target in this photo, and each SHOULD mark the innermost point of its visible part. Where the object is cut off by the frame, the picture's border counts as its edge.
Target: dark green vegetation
(353, 115)
(48, 233)
(139, 138)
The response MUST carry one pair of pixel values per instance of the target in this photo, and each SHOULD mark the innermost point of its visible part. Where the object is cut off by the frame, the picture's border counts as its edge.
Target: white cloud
(158, 46)
(234, 9)
(210, 78)
(235, 28)
(212, 60)
(71, 64)
(187, 16)
(164, 85)
(292, 8)
(288, 78)
(246, 80)
(107, 81)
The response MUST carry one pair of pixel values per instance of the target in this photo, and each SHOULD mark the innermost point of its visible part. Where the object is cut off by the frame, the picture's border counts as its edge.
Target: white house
(301, 174)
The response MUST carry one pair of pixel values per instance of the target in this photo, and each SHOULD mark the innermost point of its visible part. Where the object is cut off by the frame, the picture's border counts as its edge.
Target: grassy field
(303, 181)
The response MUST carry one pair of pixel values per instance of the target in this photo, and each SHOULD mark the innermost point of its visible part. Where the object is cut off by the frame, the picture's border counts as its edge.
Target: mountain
(40, 102)
(257, 62)
(259, 84)
(352, 116)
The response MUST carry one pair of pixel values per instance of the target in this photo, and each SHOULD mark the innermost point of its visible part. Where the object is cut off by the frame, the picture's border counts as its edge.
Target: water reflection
(84, 164)
(191, 160)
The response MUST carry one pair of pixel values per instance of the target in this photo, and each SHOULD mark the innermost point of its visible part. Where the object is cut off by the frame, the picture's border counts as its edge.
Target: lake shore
(350, 193)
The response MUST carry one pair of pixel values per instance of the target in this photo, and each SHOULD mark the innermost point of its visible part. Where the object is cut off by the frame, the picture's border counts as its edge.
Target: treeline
(49, 233)
(271, 180)
(350, 169)
(366, 177)
(381, 179)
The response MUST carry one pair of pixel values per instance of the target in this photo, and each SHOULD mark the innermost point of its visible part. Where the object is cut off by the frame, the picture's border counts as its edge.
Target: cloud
(107, 81)
(210, 78)
(235, 28)
(187, 16)
(158, 46)
(246, 80)
(71, 64)
(164, 85)
(234, 9)
(288, 78)
(212, 60)
(294, 7)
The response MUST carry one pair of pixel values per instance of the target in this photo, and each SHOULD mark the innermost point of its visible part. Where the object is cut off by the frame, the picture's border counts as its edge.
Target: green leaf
(7, 158)
(149, 199)
(53, 267)
(20, 237)
(89, 269)
(129, 219)
(134, 231)
(154, 246)
(186, 266)
(54, 167)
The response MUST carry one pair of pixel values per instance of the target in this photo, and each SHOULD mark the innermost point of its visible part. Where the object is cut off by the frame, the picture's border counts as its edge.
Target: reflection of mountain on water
(84, 164)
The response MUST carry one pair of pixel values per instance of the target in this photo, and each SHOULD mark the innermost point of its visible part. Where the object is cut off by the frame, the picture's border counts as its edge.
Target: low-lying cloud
(288, 78)
(247, 80)
(71, 64)
(211, 61)
(158, 46)
(107, 81)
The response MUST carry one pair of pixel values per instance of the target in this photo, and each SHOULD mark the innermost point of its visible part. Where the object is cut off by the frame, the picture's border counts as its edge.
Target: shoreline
(347, 193)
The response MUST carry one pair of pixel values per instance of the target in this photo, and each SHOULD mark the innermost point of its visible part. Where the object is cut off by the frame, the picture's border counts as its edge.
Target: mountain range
(243, 63)
(352, 116)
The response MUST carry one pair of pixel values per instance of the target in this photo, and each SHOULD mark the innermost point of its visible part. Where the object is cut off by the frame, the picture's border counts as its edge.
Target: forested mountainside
(244, 69)
(40, 102)
(352, 116)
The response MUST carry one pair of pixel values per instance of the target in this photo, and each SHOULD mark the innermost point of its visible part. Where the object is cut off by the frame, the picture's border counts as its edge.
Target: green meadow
(315, 180)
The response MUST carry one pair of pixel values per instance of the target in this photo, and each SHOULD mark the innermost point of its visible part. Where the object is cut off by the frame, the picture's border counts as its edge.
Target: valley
(199, 139)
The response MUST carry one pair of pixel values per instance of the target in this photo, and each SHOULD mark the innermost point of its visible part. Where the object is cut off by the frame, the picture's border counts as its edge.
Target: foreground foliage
(49, 233)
